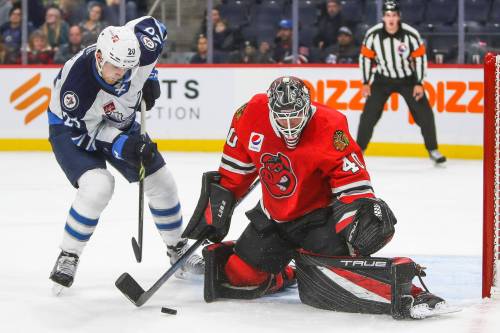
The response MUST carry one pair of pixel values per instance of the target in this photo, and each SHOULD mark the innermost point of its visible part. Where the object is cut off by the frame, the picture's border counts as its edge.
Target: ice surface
(439, 212)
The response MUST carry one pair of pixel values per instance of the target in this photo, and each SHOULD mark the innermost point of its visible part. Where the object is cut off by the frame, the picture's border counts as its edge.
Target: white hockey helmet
(119, 47)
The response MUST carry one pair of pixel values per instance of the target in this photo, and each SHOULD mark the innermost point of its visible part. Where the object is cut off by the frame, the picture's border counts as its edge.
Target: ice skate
(437, 157)
(195, 265)
(426, 305)
(64, 271)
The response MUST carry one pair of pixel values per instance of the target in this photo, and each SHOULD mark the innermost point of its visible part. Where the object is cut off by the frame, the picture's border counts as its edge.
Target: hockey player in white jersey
(92, 121)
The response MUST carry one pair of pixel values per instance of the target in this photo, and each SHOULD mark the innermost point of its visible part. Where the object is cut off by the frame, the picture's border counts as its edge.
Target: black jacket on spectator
(328, 28)
(341, 54)
(65, 52)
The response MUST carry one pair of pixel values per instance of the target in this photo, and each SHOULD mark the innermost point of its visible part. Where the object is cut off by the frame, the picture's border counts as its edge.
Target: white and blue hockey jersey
(94, 111)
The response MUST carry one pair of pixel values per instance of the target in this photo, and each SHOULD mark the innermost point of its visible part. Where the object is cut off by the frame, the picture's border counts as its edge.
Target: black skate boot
(64, 271)
(194, 265)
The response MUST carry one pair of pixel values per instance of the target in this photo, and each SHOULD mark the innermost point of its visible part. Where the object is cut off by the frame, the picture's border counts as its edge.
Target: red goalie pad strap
(241, 274)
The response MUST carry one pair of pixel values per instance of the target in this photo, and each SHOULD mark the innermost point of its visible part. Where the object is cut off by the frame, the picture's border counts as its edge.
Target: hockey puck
(168, 311)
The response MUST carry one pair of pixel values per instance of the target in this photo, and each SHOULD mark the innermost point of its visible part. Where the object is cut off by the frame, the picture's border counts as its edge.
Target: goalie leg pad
(357, 285)
(217, 284)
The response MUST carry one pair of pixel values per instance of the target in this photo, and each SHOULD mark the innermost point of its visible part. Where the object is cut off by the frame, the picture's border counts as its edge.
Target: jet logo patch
(70, 100)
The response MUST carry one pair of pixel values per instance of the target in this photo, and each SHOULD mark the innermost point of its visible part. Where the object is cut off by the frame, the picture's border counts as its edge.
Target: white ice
(440, 225)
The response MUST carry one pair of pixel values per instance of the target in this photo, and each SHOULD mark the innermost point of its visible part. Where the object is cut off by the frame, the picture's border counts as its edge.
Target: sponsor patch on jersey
(240, 111)
(277, 175)
(109, 108)
(70, 100)
(255, 142)
(340, 140)
(148, 43)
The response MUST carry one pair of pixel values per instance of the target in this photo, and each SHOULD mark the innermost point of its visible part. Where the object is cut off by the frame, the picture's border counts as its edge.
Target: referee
(401, 62)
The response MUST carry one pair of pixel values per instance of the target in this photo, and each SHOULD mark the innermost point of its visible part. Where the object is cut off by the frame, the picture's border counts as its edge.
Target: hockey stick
(134, 292)
(137, 246)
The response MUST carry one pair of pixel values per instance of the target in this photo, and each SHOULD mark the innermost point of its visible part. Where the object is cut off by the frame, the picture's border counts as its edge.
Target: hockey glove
(131, 148)
(366, 224)
(151, 90)
(213, 211)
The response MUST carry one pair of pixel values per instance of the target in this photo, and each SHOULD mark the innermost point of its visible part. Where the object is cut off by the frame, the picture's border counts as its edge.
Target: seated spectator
(247, 55)
(329, 25)
(39, 51)
(10, 33)
(223, 37)
(5, 7)
(55, 28)
(264, 54)
(283, 41)
(303, 56)
(2, 52)
(345, 51)
(73, 11)
(200, 57)
(215, 19)
(92, 27)
(112, 11)
(74, 46)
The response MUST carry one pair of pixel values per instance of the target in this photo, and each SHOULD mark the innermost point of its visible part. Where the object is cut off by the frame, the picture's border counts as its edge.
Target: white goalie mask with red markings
(289, 107)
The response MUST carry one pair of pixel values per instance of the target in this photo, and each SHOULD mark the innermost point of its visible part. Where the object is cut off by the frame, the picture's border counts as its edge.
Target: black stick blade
(130, 288)
(137, 250)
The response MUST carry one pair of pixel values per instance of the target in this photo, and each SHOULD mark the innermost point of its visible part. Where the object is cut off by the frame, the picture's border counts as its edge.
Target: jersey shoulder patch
(79, 89)
(152, 35)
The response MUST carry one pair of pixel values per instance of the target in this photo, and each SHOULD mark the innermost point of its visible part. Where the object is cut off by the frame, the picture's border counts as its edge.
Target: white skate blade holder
(422, 311)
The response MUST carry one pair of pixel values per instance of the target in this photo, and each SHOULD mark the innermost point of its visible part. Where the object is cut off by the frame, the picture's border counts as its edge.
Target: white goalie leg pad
(95, 189)
(161, 190)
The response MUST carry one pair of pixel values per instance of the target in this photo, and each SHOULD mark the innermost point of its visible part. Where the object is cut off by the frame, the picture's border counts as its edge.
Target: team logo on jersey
(148, 43)
(70, 100)
(239, 112)
(255, 142)
(340, 140)
(277, 175)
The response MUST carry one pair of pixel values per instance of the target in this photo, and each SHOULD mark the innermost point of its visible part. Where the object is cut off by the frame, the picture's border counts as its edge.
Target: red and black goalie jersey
(326, 164)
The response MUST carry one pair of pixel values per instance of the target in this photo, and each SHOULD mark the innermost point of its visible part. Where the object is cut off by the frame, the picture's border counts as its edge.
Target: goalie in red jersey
(318, 207)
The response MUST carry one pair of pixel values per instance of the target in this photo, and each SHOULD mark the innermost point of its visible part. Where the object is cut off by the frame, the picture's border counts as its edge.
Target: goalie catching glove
(366, 224)
(212, 216)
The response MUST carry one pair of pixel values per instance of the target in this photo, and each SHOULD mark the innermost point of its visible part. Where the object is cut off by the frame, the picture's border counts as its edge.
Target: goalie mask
(289, 107)
(119, 47)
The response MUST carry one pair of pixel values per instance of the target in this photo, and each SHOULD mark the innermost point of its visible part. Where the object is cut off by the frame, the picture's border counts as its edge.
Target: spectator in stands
(345, 51)
(223, 37)
(92, 27)
(202, 52)
(247, 55)
(73, 11)
(55, 28)
(10, 33)
(5, 7)
(329, 25)
(39, 51)
(264, 54)
(112, 11)
(283, 41)
(2, 52)
(74, 46)
(215, 19)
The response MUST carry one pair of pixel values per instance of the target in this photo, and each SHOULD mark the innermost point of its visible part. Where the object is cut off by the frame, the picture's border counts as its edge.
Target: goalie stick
(137, 295)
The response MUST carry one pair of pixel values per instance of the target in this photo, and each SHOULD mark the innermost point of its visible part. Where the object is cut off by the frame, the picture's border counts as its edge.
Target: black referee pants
(421, 111)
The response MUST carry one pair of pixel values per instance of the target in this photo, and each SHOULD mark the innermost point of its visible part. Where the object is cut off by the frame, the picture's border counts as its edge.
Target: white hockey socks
(95, 188)
(161, 190)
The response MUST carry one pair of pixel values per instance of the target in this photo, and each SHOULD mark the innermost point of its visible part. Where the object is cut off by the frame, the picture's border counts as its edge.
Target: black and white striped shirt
(398, 56)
